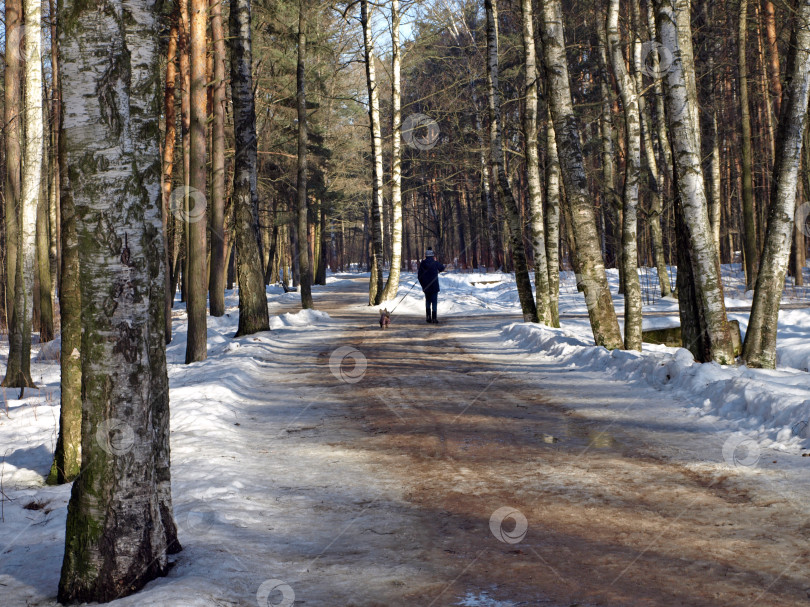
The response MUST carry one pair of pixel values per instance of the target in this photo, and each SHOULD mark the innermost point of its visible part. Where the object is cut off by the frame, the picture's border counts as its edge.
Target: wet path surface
(460, 429)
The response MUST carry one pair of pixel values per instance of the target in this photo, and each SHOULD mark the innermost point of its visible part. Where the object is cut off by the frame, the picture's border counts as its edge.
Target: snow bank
(50, 351)
(304, 318)
(769, 405)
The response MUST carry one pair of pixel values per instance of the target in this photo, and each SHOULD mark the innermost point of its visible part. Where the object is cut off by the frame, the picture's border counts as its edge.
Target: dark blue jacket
(429, 275)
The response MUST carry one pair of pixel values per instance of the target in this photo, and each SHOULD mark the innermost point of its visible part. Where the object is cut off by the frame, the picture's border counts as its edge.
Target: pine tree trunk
(185, 134)
(303, 205)
(504, 190)
(376, 284)
(750, 248)
(253, 315)
(392, 286)
(773, 65)
(216, 284)
(117, 536)
(681, 102)
(13, 153)
(760, 339)
(486, 196)
(590, 266)
(542, 296)
(170, 114)
(632, 122)
(195, 215)
(553, 222)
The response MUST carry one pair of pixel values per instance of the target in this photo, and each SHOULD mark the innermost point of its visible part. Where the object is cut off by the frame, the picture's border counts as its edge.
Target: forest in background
(189, 147)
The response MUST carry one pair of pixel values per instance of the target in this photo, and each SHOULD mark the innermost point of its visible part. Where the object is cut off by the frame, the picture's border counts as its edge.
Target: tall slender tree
(18, 373)
(504, 190)
(119, 525)
(655, 177)
(303, 204)
(392, 285)
(169, 141)
(68, 452)
(216, 281)
(13, 157)
(253, 315)
(195, 215)
(541, 278)
(590, 265)
(632, 170)
(707, 309)
(43, 262)
(750, 249)
(552, 220)
(375, 293)
(760, 338)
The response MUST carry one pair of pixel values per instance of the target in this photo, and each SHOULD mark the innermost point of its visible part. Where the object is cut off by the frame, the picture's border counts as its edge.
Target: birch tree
(654, 174)
(552, 221)
(119, 523)
(681, 110)
(375, 293)
(760, 338)
(503, 189)
(632, 130)
(590, 264)
(253, 314)
(392, 285)
(18, 372)
(541, 276)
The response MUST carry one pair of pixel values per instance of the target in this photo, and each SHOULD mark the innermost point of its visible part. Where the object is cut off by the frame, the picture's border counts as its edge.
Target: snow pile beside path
(50, 351)
(771, 406)
(793, 343)
(304, 318)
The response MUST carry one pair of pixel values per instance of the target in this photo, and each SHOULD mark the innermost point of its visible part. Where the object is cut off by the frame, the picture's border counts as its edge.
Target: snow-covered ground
(252, 382)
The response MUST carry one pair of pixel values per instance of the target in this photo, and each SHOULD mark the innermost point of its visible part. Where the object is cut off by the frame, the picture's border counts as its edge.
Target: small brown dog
(385, 318)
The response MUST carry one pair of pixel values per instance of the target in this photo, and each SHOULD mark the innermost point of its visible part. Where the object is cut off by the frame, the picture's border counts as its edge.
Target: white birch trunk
(119, 525)
(392, 286)
(681, 105)
(32, 158)
(376, 281)
(542, 296)
(760, 338)
(591, 266)
(552, 220)
(632, 127)
(513, 226)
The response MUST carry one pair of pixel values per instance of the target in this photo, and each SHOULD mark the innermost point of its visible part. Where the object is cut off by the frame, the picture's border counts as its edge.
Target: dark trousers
(431, 302)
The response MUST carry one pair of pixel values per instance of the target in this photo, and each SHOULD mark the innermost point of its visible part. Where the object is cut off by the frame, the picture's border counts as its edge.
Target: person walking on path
(428, 276)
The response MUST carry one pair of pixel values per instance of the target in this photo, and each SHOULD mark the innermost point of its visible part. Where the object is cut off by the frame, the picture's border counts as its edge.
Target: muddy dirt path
(454, 422)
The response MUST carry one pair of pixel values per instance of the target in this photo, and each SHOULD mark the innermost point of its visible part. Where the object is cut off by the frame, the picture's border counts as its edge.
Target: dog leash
(404, 296)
